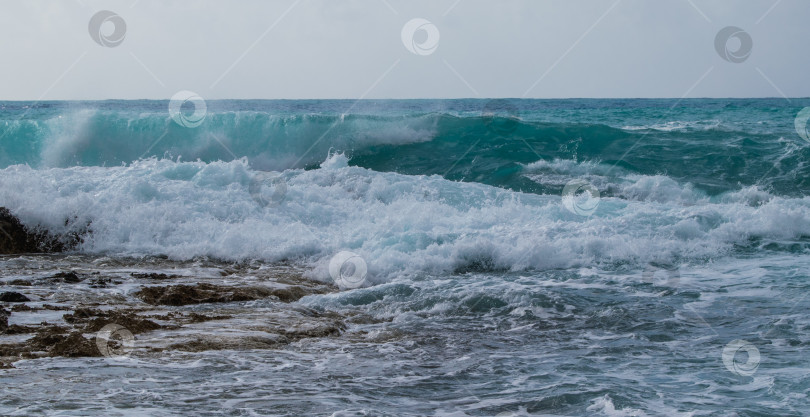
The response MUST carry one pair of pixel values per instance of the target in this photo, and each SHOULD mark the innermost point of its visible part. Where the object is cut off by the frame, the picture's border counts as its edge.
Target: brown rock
(179, 295)
(152, 275)
(244, 343)
(55, 342)
(199, 318)
(74, 346)
(17, 329)
(95, 319)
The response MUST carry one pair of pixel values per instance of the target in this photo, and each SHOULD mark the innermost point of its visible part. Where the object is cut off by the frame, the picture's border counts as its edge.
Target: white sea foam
(678, 125)
(399, 224)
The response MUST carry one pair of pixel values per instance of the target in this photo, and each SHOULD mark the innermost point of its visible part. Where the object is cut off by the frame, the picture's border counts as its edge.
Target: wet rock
(37, 346)
(46, 337)
(73, 345)
(199, 318)
(51, 341)
(166, 317)
(179, 295)
(95, 319)
(23, 307)
(273, 339)
(82, 314)
(102, 282)
(319, 331)
(16, 238)
(291, 294)
(69, 277)
(209, 327)
(15, 351)
(13, 297)
(17, 329)
(228, 271)
(4, 320)
(48, 341)
(20, 283)
(152, 275)
(132, 323)
(55, 308)
(219, 343)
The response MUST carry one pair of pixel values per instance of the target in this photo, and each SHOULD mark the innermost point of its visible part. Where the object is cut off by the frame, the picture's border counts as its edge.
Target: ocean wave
(682, 125)
(401, 225)
(470, 147)
(91, 137)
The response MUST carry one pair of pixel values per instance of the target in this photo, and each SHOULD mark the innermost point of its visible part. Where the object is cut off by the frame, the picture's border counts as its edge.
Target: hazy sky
(354, 48)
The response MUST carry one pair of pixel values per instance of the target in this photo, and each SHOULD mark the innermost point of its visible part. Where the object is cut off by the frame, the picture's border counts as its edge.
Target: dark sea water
(519, 257)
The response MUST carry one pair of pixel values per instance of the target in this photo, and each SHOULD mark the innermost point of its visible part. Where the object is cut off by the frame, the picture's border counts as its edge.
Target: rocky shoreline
(131, 315)
(15, 238)
(73, 305)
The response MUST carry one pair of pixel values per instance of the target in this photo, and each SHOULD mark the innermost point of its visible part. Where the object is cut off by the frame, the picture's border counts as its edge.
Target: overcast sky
(354, 48)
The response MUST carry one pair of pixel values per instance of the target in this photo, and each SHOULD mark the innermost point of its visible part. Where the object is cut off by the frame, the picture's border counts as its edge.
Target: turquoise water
(718, 145)
(497, 293)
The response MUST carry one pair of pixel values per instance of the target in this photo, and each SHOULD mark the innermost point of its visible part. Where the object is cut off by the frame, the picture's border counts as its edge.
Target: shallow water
(561, 343)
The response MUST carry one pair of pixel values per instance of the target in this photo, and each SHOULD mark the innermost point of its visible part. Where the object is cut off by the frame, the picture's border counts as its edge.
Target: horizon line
(404, 99)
